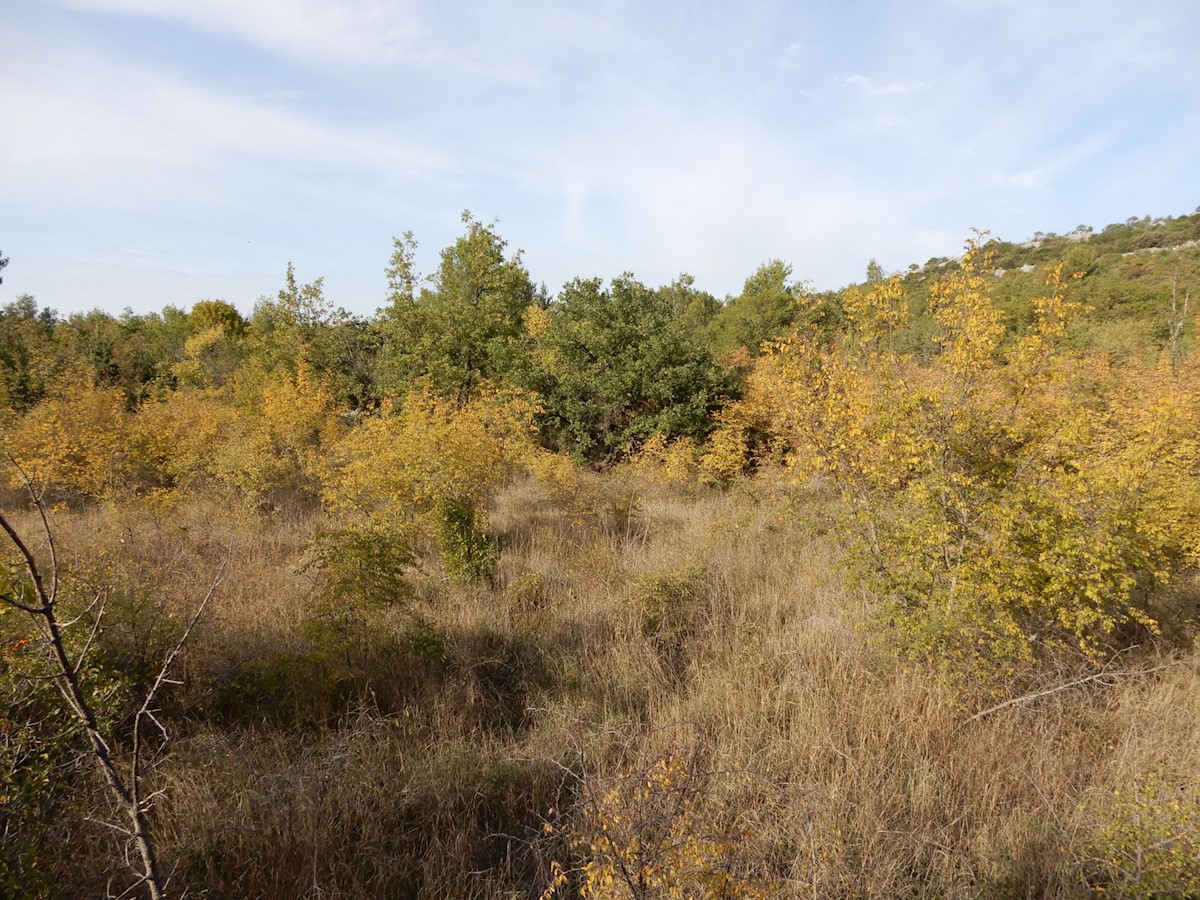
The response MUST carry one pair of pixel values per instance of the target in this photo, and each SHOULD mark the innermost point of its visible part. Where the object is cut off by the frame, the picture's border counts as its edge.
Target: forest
(628, 592)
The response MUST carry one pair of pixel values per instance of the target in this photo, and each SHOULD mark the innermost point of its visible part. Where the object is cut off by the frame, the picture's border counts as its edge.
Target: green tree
(763, 310)
(462, 329)
(693, 307)
(294, 330)
(614, 367)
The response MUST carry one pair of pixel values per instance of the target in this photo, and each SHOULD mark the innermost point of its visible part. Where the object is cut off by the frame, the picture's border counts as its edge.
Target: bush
(469, 553)
(1010, 497)
(1148, 841)
(643, 835)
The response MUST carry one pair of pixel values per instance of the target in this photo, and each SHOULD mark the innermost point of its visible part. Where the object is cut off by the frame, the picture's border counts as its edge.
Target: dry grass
(718, 627)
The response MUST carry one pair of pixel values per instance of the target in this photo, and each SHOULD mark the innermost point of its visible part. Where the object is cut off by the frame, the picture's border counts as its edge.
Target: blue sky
(165, 151)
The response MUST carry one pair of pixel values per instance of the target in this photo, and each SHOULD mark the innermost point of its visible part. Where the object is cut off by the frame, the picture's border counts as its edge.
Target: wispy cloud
(356, 31)
(1044, 173)
(872, 88)
(489, 40)
(130, 137)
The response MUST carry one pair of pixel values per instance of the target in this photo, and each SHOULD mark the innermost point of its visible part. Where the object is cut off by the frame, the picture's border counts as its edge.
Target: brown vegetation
(453, 760)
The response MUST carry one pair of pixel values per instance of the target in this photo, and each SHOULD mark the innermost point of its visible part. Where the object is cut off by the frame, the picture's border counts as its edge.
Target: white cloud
(356, 31)
(871, 88)
(509, 43)
(123, 136)
(713, 195)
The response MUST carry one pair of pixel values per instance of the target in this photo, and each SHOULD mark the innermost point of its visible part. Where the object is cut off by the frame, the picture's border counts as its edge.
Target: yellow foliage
(747, 433)
(668, 462)
(181, 435)
(642, 835)
(284, 426)
(76, 440)
(1010, 495)
(407, 462)
(209, 357)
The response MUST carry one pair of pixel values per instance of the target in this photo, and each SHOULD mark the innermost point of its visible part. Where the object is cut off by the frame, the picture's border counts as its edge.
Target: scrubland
(628, 594)
(463, 743)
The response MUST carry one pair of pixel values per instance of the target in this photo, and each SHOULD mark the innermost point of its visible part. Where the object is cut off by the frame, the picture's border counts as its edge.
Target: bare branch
(1101, 677)
(126, 791)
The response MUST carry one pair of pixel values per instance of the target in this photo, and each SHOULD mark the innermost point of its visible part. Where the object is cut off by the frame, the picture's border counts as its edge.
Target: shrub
(643, 834)
(1009, 495)
(469, 553)
(1148, 841)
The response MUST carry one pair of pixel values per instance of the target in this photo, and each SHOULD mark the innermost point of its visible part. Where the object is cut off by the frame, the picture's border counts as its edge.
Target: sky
(158, 152)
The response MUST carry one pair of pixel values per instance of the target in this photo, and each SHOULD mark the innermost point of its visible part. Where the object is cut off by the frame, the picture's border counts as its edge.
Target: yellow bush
(642, 835)
(406, 462)
(669, 462)
(76, 440)
(434, 462)
(180, 436)
(284, 426)
(1010, 494)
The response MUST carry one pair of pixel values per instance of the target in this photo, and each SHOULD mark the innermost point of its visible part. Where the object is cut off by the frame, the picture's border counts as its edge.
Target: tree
(461, 330)
(615, 366)
(875, 273)
(695, 308)
(206, 314)
(3, 263)
(1013, 498)
(764, 309)
(285, 333)
(28, 352)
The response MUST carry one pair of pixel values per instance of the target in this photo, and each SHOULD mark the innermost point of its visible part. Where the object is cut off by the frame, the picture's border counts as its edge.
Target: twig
(1036, 695)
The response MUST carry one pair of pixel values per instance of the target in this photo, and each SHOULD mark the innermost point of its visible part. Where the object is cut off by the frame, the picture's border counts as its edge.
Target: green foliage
(362, 566)
(469, 553)
(763, 310)
(288, 333)
(463, 329)
(614, 367)
(28, 357)
(694, 308)
(1148, 841)
(133, 352)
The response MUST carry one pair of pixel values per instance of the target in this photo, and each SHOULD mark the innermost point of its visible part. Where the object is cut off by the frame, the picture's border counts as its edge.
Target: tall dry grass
(643, 624)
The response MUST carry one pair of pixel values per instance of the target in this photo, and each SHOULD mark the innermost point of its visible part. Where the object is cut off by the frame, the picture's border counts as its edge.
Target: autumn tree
(206, 314)
(1012, 497)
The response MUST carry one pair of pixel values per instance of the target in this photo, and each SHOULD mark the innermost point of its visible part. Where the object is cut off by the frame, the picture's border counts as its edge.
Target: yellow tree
(1013, 495)
(433, 463)
(75, 440)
